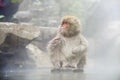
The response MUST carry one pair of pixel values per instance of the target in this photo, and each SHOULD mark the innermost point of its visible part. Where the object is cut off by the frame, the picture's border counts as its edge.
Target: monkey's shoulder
(56, 42)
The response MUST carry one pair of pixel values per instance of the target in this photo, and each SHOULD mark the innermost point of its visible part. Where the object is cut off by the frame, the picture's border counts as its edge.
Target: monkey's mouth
(65, 27)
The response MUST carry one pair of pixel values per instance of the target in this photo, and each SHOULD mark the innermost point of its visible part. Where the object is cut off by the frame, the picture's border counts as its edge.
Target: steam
(103, 57)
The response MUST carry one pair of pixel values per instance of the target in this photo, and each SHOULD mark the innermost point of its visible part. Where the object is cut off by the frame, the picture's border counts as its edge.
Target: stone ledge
(25, 44)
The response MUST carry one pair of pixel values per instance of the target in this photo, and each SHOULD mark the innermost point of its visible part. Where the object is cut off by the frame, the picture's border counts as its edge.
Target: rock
(42, 40)
(39, 13)
(2, 36)
(39, 44)
(66, 70)
(24, 16)
(22, 30)
(14, 54)
(13, 41)
(24, 46)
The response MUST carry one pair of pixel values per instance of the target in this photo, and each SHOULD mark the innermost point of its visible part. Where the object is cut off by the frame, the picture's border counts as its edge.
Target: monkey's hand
(79, 49)
(82, 47)
(55, 44)
(76, 50)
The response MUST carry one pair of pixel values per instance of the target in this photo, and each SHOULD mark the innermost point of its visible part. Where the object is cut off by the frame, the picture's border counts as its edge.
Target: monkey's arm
(55, 50)
(55, 44)
(82, 47)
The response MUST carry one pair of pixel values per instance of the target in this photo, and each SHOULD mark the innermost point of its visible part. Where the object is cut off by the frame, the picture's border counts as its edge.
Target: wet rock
(24, 16)
(67, 70)
(13, 41)
(14, 53)
(39, 13)
(24, 46)
(42, 40)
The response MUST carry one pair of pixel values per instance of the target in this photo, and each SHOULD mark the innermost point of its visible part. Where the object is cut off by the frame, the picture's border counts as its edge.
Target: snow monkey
(68, 48)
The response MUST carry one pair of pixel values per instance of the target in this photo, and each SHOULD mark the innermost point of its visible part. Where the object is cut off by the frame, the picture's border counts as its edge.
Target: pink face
(65, 25)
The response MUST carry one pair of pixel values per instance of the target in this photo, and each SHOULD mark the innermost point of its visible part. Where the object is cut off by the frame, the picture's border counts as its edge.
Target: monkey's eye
(65, 23)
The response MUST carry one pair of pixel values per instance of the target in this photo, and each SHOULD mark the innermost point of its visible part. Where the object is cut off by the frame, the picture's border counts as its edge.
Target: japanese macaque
(68, 49)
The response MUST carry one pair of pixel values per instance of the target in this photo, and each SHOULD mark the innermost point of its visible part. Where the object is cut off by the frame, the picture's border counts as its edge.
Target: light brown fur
(68, 48)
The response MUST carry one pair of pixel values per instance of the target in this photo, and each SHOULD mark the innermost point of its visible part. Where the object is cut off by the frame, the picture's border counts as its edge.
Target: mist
(101, 26)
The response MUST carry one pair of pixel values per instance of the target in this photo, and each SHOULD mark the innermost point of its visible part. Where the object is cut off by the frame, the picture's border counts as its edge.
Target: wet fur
(77, 58)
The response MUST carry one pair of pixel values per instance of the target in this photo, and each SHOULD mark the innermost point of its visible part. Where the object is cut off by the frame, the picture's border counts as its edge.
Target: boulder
(24, 46)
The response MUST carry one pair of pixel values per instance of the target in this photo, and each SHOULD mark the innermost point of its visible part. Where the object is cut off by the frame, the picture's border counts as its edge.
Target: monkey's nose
(65, 26)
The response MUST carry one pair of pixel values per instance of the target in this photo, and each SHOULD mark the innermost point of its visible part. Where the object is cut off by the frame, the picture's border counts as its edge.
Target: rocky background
(48, 13)
(39, 12)
(24, 46)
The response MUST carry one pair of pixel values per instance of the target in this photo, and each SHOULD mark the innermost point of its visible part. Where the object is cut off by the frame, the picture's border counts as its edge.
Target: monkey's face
(70, 26)
(65, 26)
